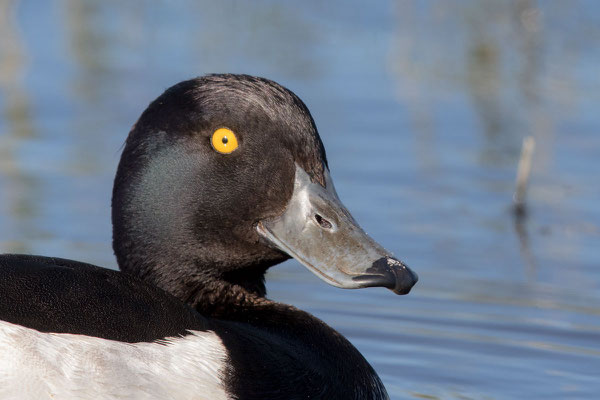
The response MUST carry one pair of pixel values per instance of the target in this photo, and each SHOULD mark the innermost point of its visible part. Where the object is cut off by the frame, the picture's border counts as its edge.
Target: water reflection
(260, 23)
(520, 224)
(496, 56)
(13, 61)
(91, 46)
(19, 188)
(505, 62)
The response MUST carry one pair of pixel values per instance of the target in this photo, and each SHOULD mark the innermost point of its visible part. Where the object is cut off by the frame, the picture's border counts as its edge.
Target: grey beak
(317, 230)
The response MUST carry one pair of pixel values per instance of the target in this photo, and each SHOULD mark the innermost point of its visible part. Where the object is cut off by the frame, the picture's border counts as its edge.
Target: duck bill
(317, 230)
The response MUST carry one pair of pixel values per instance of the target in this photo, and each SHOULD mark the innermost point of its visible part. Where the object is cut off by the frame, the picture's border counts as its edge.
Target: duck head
(224, 176)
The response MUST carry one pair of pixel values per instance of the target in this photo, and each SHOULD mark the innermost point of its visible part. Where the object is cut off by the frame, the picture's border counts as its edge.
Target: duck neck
(227, 295)
(329, 365)
(239, 297)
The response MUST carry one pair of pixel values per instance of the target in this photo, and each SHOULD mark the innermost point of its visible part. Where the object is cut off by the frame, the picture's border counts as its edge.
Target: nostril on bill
(323, 223)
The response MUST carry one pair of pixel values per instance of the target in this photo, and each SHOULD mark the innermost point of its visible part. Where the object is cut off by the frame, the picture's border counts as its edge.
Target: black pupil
(224, 140)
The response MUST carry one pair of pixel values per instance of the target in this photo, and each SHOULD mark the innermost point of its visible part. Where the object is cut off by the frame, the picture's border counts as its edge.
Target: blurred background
(422, 106)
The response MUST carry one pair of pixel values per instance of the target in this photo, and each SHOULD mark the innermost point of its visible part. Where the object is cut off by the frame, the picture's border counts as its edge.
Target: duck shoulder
(64, 296)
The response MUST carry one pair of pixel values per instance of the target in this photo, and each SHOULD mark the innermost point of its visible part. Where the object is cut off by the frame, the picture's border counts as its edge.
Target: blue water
(422, 106)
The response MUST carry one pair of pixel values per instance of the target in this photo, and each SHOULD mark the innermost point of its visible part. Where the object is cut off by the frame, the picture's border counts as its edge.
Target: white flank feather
(36, 365)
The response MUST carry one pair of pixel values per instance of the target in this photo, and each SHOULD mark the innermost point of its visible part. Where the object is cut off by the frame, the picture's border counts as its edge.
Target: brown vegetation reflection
(19, 191)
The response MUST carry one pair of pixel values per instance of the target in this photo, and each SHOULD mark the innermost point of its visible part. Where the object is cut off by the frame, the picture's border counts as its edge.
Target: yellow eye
(224, 141)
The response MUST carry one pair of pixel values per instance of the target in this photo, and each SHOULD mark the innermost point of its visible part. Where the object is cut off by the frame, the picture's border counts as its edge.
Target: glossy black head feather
(184, 213)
